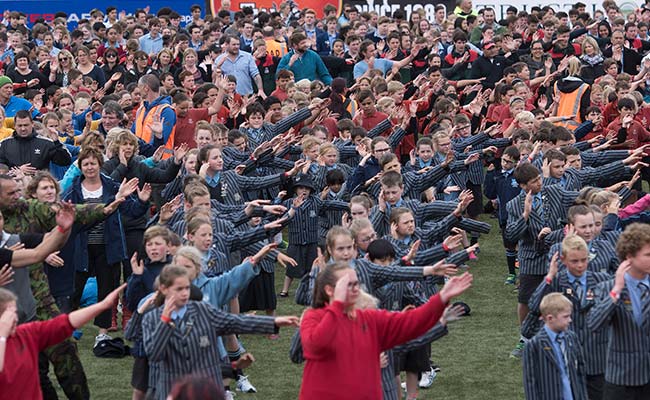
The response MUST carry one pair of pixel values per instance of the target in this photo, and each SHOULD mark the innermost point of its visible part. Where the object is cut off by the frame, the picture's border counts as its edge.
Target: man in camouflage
(32, 216)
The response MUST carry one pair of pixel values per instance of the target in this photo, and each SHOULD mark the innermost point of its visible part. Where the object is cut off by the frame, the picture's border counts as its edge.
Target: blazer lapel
(547, 348)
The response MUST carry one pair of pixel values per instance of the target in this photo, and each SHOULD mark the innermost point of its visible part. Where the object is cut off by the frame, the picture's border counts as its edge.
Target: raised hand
(54, 260)
(413, 250)
(144, 194)
(127, 188)
(6, 275)
(287, 321)
(8, 320)
(179, 153)
(156, 126)
(264, 251)
(455, 286)
(285, 260)
(65, 215)
(451, 314)
(136, 267)
(453, 241)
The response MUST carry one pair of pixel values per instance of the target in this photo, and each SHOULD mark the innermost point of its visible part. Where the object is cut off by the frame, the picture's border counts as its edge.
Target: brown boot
(126, 316)
(113, 327)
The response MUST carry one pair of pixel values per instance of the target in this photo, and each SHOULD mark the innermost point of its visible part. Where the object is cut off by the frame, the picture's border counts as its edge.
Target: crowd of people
(166, 170)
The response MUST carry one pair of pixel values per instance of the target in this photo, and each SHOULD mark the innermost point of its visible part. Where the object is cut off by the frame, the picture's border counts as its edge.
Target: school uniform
(268, 130)
(596, 158)
(259, 294)
(303, 229)
(188, 345)
(554, 370)
(229, 187)
(319, 175)
(581, 292)
(576, 179)
(415, 183)
(627, 374)
(549, 210)
(475, 171)
(602, 256)
(332, 218)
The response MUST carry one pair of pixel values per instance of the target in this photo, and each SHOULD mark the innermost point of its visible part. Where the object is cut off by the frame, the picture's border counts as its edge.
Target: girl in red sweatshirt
(342, 344)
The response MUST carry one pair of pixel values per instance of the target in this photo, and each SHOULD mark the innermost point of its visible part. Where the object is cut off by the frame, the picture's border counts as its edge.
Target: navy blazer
(628, 350)
(542, 378)
(113, 230)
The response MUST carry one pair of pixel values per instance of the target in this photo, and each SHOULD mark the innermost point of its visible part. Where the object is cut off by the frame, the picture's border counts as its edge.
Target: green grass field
(474, 357)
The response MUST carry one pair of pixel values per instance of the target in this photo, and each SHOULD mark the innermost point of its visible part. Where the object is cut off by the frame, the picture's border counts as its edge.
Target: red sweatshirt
(19, 377)
(342, 354)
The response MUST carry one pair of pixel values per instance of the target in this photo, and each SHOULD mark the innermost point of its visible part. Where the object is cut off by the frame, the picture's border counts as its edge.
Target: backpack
(111, 348)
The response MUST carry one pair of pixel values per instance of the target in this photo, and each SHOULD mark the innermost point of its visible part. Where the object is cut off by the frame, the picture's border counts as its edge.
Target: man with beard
(304, 63)
(242, 66)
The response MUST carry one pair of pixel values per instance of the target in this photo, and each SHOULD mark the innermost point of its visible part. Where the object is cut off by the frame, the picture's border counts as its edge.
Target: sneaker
(511, 279)
(519, 350)
(101, 337)
(283, 245)
(283, 294)
(427, 379)
(77, 334)
(435, 368)
(243, 385)
(229, 395)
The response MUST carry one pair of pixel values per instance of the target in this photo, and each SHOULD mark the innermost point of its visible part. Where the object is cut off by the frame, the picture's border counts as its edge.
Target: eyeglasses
(369, 238)
(382, 150)
(462, 128)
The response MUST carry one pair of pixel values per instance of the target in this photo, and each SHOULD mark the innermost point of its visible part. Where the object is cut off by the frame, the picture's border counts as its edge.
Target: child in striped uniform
(303, 228)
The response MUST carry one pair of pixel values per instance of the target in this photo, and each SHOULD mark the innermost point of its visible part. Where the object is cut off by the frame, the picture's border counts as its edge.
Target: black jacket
(492, 71)
(33, 149)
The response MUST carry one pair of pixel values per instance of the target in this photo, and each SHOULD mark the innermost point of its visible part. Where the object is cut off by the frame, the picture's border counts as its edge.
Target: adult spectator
(303, 62)
(370, 61)
(152, 42)
(317, 37)
(242, 66)
(155, 120)
(491, 65)
(11, 103)
(27, 147)
(24, 77)
(489, 21)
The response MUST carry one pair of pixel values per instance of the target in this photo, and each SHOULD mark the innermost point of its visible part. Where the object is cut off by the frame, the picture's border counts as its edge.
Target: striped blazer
(552, 213)
(594, 342)
(421, 212)
(414, 182)
(268, 130)
(596, 158)
(602, 257)
(542, 379)
(303, 227)
(475, 171)
(189, 346)
(576, 179)
(628, 350)
(371, 277)
(234, 185)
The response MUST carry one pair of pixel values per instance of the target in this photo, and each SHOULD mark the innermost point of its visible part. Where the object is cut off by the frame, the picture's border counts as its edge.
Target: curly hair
(632, 240)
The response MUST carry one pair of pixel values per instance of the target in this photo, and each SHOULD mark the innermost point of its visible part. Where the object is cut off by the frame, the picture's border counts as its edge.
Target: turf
(474, 357)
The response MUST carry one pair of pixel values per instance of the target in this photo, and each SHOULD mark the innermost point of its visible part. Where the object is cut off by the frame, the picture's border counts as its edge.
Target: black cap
(304, 181)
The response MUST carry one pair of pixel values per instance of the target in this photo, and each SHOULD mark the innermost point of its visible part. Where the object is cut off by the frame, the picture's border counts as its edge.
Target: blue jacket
(498, 187)
(113, 231)
(139, 286)
(362, 173)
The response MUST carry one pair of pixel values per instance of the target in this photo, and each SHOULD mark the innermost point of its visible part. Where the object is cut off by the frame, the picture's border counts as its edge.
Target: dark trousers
(108, 279)
(617, 392)
(67, 368)
(475, 208)
(133, 239)
(595, 384)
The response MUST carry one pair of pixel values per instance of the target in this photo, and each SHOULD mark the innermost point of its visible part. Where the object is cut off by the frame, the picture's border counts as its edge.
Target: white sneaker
(427, 379)
(244, 385)
(101, 337)
(229, 395)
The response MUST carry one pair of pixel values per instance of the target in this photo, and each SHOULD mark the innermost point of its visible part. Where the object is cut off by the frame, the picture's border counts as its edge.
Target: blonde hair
(603, 198)
(366, 301)
(123, 136)
(385, 102)
(192, 254)
(309, 142)
(525, 116)
(574, 66)
(554, 303)
(326, 148)
(394, 87)
(573, 242)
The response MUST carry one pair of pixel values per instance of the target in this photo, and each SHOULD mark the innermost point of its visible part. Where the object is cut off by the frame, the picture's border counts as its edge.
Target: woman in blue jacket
(100, 249)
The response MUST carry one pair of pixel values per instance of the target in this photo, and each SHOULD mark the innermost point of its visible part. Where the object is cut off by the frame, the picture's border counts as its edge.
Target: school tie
(577, 288)
(561, 342)
(644, 291)
(537, 202)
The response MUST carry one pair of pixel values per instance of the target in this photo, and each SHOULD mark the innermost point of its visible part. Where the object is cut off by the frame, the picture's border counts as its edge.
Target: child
(334, 190)
(502, 187)
(553, 362)
(303, 228)
(284, 77)
(622, 305)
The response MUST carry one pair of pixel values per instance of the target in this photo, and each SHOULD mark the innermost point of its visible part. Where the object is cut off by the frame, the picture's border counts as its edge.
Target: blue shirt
(567, 394)
(213, 181)
(381, 64)
(179, 314)
(151, 45)
(243, 68)
(635, 296)
(582, 280)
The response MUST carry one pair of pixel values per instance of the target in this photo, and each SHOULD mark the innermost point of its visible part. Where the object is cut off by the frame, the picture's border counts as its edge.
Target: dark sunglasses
(111, 55)
(63, 59)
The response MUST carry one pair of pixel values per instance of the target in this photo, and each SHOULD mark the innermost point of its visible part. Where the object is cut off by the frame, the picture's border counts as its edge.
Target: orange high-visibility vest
(570, 105)
(143, 130)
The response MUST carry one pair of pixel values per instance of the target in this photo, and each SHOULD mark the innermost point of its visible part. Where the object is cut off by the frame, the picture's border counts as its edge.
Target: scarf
(592, 60)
